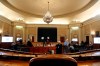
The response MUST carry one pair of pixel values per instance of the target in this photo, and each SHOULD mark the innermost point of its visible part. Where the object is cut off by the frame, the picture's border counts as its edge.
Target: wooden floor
(89, 63)
(13, 63)
(25, 63)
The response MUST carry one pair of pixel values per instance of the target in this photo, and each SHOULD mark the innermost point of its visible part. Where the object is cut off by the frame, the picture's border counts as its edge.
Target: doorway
(87, 39)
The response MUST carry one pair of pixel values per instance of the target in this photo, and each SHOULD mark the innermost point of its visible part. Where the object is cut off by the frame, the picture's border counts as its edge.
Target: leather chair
(53, 60)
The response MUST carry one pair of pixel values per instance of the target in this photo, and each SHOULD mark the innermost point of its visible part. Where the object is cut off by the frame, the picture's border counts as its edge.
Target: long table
(42, 49)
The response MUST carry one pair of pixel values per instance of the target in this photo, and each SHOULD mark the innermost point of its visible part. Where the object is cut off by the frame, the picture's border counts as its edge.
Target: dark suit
(58, 48)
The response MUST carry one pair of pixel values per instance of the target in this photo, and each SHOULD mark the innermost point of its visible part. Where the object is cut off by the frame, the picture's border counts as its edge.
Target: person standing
(66, 46)
(59, 48)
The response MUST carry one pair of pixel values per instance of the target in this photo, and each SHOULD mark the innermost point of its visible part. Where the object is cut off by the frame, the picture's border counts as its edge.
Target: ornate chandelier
(48, 17)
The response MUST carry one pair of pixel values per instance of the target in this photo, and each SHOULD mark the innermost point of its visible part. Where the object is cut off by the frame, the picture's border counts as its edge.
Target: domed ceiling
(65, 10)
(57, 7)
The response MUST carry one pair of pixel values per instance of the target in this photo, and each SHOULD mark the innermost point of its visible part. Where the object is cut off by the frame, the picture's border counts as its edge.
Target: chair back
(53, 60)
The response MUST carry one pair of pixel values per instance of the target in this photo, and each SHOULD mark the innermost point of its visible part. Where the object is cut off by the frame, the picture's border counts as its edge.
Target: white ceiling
(57, 7)
(30, 10)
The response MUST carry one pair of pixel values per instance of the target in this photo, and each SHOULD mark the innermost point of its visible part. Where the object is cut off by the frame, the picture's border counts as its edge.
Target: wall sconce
(75, 28)
(93, 33)
(19, 27)
(0, 32)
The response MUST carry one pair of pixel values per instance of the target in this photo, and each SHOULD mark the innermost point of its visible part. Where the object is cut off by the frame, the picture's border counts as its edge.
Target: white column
(79, 32)
(14, 28)
(23, 34)
(36, 34)
(70, 30)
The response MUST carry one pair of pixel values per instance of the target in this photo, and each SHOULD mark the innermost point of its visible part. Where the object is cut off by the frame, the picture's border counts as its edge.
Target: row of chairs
(22, 54)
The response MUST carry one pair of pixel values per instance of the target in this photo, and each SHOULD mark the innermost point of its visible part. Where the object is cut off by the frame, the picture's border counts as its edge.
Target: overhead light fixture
(48, 17)
(75, 28)
(19, 27)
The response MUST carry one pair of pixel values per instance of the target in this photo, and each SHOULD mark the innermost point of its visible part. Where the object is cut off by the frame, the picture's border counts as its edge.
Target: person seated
(29, 44)
(90, 47)
(15, 46)
(72, 49)
(59, 48)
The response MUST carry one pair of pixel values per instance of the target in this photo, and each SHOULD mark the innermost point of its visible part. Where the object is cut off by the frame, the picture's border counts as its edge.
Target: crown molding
(7, 4)
(3, 19)
(91, 20)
